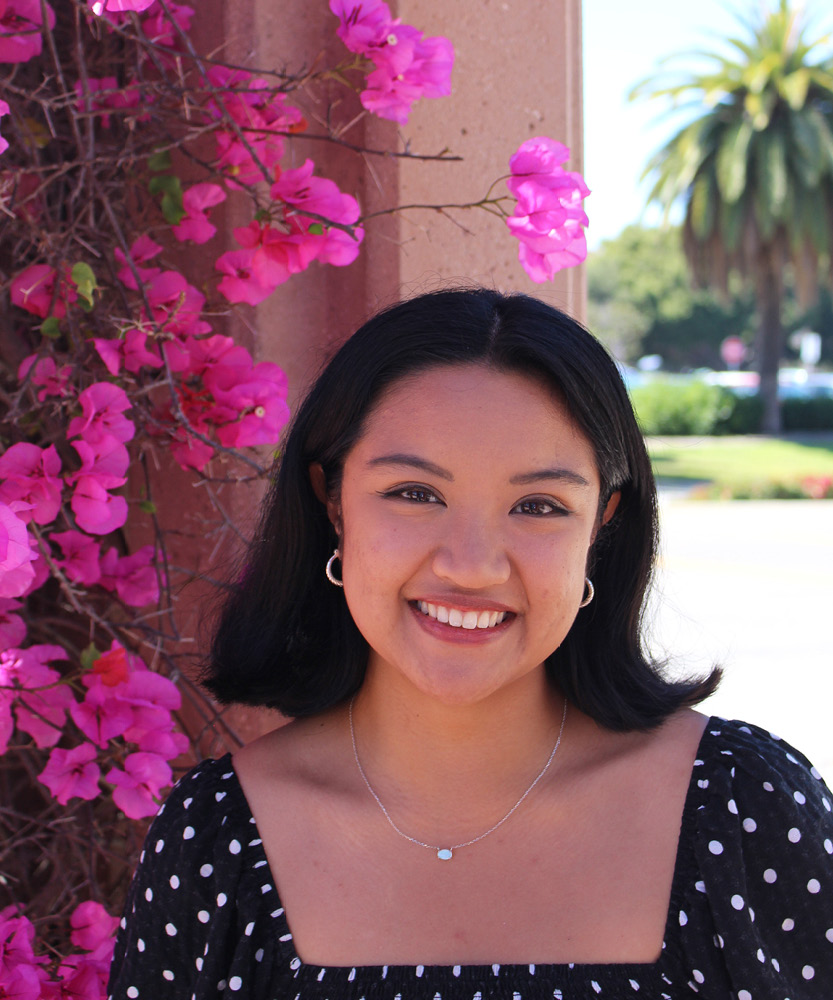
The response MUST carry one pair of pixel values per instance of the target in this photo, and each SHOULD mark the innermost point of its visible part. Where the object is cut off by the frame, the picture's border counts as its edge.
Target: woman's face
(466, 512)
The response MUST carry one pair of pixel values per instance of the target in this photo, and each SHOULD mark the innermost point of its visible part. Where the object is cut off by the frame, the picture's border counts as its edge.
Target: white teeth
(461, 619)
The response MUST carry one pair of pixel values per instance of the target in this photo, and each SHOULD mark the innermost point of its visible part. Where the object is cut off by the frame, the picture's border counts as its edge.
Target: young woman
(488, 788)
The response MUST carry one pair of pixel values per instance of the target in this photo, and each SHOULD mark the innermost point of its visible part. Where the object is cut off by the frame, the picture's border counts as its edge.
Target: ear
(610, 508)
(319, 484)
(319, 488)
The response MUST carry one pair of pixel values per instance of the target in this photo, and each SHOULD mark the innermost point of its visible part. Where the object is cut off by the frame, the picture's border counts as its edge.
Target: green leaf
(51, 328)
(170, 187)
(160, 161)
(316, 229)
(83, 277)
(147, 506)
(730, 165)
(89, 656)
(794, 88)
(701, 207)
(773, 182)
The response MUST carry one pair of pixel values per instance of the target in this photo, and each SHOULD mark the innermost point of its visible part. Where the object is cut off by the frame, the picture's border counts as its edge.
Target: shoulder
(757, 766)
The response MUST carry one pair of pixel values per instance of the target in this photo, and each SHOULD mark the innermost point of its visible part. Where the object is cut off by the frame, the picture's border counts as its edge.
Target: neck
(448, 772)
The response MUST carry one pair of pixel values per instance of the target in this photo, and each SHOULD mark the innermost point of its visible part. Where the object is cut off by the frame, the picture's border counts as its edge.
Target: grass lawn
(748, 465)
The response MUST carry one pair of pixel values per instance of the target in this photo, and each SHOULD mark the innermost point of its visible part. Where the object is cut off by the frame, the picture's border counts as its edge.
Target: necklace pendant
(444, 854)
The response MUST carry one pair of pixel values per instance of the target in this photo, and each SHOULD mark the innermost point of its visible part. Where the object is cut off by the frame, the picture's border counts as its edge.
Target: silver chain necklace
(446, 853)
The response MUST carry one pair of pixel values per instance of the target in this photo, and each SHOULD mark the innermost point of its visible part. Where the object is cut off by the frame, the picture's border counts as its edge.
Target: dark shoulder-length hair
(285, 637)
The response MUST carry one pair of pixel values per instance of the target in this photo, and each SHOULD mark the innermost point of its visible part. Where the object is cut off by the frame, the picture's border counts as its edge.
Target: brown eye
(419, 495)
(537, 507)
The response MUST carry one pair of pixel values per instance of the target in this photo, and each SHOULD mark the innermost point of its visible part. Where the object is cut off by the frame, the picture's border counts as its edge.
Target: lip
(462, 636)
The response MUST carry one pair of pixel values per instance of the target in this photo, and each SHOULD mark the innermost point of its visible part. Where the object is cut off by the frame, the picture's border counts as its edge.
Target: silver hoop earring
(328, 569)
(588, 597)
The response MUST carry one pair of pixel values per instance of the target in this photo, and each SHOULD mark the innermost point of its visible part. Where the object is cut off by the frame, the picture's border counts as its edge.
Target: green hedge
(668, 408)
(681, 407)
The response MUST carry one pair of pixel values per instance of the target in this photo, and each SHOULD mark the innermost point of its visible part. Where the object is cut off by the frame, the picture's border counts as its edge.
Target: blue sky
(623, 42)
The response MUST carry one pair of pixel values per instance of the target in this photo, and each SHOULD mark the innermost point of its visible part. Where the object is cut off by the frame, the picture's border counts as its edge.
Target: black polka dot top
(750, 917)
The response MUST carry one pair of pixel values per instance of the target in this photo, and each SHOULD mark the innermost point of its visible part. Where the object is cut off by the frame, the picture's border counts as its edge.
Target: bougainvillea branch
(118, 144)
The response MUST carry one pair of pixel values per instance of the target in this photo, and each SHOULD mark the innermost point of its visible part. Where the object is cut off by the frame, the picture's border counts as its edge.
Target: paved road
(749, 585)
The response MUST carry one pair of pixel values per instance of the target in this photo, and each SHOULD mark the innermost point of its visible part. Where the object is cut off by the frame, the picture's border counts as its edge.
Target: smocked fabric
(750, 916)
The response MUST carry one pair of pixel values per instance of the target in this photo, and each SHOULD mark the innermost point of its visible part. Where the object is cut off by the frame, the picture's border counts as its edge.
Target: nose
(472, 555)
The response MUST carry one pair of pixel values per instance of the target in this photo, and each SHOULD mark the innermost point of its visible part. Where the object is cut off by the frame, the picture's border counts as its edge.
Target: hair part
(285, 637)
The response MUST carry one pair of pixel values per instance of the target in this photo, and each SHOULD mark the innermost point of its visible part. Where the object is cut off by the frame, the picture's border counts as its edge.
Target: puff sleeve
(192, 906)
(765, 851)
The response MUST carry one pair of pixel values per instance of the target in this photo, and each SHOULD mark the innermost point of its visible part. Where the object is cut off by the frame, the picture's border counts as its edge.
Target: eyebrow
(522, 479)
(414, 462)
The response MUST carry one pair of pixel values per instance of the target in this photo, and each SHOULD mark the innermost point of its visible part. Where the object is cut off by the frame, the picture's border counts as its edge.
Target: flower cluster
(548, 219)
(83, 976)
(124, 367)
(407, 66)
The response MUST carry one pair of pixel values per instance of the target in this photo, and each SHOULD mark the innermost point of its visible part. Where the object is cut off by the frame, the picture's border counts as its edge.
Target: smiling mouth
(462, 619)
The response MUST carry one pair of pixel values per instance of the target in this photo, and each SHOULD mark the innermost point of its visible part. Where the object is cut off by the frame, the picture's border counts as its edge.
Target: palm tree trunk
(769, 345)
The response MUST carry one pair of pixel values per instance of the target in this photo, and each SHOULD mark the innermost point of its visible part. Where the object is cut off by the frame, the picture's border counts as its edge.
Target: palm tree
(754, 170)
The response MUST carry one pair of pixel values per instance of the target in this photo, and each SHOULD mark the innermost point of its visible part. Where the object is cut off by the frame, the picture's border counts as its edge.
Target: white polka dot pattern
(750, 915)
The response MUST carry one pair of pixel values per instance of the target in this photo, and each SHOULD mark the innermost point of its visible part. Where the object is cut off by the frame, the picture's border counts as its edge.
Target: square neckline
(683, 865)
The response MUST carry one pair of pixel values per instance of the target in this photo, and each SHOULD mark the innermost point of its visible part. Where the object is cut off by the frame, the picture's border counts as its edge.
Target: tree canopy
(754, 168)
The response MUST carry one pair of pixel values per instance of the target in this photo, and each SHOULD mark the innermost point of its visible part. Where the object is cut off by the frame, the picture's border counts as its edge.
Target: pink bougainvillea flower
(4, 110)
(42, 713)
(72, 773)
(137, 787)
(17, 937)
(81, 556)
(195, 226)
(16, 552)
(363, 23)
(96, 510)
(311, 203)
(92, 926)
(255, 410)
(240, 283)
(132, 351)
(189, 452)
(176, 305)
(549, 219)
(101, 717)
(21, 29)
(21, 982)
(163, 742)
(142, 250)
(133, 577)
(262, 115)
(160, 26)
(83, 977)
(106, 460)
(30, 474)
(303, 191)
(407, 65)
(34, 290)
(102, 405)
(44, 372)
(12, 626)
